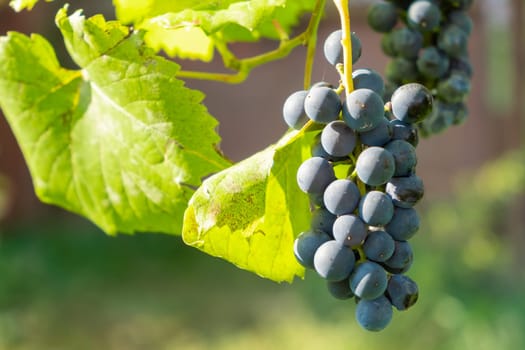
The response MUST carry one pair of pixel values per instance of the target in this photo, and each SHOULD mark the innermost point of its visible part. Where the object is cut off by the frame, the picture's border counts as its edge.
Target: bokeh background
(65, 285)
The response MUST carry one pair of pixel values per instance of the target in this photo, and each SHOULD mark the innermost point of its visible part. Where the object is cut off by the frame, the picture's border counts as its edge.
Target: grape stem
(244, 66)
(346, 41)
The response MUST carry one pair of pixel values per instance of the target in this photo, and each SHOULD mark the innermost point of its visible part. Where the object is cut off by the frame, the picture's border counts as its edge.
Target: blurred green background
(64, 285)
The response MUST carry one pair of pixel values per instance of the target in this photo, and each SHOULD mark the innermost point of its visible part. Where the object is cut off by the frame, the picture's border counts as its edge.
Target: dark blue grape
(322, 105)
(401, 259)
(401, 70)
(404, 156)
(461, 65)
(338, 139)
(379, 135)
(350, 230)
(405, 191)
(317, 150)
(432, 63)
(363, 110)
(341, 197)
(411, 103)
(378, 246)
(453, 40)
(382, 17)
(340, 289)
(366, 78)
(376, 208)
(462, 20)
(293, 110)
(314, 175)
(374, 315)
(375, 166)
(402, 292)
(334, 261)
(387, 45)
(322, 220)
(423, 15)
(454, 88)
(333, 49)
(368, 280)
(305, 246)
(404, 131)
(404, 224)
(407, 42)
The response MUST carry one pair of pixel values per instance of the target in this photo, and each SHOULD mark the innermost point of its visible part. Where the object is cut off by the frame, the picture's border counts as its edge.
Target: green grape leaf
(236, 20)
(19, 5)
(120, 141)
(250, 214)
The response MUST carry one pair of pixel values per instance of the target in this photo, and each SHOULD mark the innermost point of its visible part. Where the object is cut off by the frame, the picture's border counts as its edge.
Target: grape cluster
(362, 185)
(427, 42)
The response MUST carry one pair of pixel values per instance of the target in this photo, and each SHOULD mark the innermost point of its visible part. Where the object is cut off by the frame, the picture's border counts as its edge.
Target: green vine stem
(346, 41)
(246, 65)
(311, 44)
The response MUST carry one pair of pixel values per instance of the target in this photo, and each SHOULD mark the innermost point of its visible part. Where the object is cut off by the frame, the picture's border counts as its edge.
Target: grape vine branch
(244, 66)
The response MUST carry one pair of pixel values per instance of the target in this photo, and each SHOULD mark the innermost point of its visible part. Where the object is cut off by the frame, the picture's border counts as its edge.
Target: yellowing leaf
(250, 214)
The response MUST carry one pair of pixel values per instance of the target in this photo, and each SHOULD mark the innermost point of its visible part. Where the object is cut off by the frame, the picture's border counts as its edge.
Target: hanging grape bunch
(427, 42)
(362, 184)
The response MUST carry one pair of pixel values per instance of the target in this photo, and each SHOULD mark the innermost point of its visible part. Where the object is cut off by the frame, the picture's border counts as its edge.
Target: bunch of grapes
(427, 41)
(362, 185)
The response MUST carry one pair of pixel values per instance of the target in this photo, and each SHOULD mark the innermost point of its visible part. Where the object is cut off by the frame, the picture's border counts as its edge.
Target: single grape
(402, 292)
(350, 230)
(363, 110)
(407, 42)
(366, 78)
(333, 50)
(453, 40)
(405, 191)
(317, 150)
(379, 135)
(432, 63)
(401, 259)
(338, 139)
(374, 315)
(411, 103)
(404, 131)
(423, 15)
(462, 65)
(368, 280)
(462, 20)
(322, 220)
(378, 246)
(340, 289)
(387, 45)
(401, 70)
(375, 166)
(404, 224)
(404, 156)
(454, 88)
(334, 261)
(376, 208)
(293, 110)
(382, 16)
(314, 175)
(305, 246)
(341, 197)
(322, 105)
